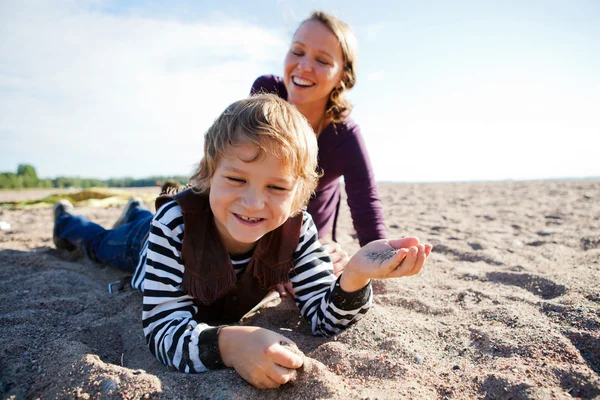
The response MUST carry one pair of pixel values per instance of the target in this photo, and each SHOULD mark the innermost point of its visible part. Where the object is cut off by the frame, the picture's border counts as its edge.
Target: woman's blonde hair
(273, 125)
(338, 107)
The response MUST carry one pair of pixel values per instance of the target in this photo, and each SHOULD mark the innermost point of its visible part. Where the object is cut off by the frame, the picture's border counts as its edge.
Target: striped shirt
(172, 334)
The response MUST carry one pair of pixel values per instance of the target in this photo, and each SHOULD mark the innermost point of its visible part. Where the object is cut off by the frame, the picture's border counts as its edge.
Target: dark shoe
(62, 207)
(131, 205)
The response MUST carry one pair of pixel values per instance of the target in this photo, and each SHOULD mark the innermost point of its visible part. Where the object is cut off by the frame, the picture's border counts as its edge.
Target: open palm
(390, 258)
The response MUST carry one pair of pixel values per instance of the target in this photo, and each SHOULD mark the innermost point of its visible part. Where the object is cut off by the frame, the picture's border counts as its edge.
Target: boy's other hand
(258, 355)
(339, 258)
(383, 259)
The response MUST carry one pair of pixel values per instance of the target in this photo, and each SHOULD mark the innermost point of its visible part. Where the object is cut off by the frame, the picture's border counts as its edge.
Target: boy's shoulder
(307, 222)
(187, 201)
(168, 212)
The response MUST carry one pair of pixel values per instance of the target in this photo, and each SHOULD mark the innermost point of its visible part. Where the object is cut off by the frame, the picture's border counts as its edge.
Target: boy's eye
(278, 188)
(236, 180)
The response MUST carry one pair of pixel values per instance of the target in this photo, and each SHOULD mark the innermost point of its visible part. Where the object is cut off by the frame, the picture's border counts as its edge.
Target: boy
(212, 252)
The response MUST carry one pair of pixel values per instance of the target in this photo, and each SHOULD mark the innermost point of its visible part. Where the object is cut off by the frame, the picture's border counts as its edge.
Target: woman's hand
(384, 259)
(258, 355)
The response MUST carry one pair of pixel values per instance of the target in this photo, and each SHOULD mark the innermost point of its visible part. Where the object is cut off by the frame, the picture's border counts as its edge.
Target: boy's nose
(253, 200)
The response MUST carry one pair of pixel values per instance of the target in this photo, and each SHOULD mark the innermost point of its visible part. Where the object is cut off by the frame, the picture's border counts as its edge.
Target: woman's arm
(318, 293)
(172, 335)
(361, 188)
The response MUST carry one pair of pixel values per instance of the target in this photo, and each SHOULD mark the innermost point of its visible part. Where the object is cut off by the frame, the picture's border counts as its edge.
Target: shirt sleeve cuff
(349, 301)
(208, 348)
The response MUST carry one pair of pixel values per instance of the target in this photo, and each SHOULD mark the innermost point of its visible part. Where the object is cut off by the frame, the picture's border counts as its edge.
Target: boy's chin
(247, 240)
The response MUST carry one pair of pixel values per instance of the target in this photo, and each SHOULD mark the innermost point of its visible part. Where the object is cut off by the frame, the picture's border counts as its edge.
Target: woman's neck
(314, 115)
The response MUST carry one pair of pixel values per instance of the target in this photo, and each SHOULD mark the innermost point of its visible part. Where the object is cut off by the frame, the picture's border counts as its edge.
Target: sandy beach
(507, 307)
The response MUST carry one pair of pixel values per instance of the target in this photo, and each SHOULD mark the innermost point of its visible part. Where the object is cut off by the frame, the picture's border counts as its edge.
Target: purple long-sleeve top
(342, 152)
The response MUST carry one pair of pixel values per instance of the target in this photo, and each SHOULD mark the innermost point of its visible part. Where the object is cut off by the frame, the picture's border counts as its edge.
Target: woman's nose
(304, 65)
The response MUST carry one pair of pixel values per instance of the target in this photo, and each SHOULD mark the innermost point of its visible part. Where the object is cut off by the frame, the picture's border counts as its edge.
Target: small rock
(456, 367)
(108, 385)
(476, 246)
(419, 359)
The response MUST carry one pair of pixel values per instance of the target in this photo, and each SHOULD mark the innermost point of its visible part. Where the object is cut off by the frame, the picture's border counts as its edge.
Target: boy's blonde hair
(272, 124)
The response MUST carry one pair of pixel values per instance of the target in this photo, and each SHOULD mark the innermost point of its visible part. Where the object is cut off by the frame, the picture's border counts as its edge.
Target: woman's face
(313, 66)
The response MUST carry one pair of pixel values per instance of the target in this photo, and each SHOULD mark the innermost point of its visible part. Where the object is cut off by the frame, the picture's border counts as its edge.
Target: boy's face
(251, 194)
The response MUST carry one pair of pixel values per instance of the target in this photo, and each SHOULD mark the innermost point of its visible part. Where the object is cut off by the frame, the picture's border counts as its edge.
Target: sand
(507, 307)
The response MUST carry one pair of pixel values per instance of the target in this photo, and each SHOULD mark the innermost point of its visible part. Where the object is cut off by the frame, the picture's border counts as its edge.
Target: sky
(446, 90)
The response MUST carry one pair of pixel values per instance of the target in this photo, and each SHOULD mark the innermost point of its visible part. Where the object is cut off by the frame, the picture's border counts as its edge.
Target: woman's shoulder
(269, 84)
(348, 125)
(343, 130)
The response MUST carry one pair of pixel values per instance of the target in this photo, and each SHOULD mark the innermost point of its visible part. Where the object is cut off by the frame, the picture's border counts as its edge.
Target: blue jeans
(119, 248)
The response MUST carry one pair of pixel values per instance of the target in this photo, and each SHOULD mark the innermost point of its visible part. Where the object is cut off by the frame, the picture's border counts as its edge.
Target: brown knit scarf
(208, 273)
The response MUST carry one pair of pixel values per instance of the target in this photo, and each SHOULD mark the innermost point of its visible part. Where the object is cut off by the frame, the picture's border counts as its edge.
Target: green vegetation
(26, 177)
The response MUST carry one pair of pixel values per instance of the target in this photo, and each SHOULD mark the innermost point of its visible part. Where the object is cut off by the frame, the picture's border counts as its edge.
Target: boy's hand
(382, 259)
(258, 355)
(339, 257)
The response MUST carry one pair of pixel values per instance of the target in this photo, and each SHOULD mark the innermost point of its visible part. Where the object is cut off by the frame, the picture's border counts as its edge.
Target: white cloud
(137, 91)
(375, 31)
(499, 130)
(376, 76)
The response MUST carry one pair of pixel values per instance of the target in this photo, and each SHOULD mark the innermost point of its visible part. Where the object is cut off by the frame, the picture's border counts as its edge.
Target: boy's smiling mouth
(248, 219)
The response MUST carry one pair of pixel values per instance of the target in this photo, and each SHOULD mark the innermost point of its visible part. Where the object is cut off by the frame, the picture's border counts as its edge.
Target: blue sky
(446, 91)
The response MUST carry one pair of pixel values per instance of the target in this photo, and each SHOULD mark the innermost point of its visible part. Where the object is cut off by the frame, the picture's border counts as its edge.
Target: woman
(319, 67)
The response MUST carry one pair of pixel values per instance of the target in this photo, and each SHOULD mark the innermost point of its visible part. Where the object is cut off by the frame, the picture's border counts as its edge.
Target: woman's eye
(296, 52)
(321, 61)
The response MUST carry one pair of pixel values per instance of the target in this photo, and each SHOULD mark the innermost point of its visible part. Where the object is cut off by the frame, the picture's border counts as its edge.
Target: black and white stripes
(171, 332)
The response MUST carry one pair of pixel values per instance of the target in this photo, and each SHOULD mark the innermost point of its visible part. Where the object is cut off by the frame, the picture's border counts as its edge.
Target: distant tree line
(26, 177)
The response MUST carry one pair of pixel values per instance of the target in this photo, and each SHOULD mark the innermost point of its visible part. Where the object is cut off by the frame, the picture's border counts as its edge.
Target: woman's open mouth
(301, 82)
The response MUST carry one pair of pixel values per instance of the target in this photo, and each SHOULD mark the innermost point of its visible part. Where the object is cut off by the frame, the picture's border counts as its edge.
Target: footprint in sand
(590, 243)
(588, 345)
(536, 243)
(461, 255)
(553, 220)
(542, 287)
(495, 387)
(579, 385)
(105, 341)
(571, 316)
(415, 305)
